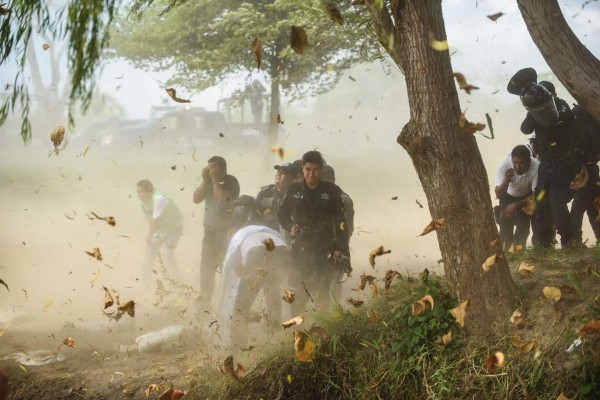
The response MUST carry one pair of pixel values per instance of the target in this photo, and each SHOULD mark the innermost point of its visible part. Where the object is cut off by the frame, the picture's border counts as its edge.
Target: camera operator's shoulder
(331, 188)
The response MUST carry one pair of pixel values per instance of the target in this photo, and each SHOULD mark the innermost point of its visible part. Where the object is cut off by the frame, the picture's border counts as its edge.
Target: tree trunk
(572, 63)
(275, 102)
(448, 163)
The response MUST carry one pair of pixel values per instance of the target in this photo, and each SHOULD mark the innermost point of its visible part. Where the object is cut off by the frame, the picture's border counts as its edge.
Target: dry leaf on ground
(591, 328)
(421, 305)
(517, 318)
(552, 293)
(525, 269)
(493, 361)
(303, 347)
(294, 321)
(444, 340)
(289, 296)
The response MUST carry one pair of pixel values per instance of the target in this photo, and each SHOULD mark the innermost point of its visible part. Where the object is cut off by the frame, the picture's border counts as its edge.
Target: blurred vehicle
(169, 127)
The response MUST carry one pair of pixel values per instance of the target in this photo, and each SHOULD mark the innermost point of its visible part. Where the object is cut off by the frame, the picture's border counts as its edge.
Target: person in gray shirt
(218, 190)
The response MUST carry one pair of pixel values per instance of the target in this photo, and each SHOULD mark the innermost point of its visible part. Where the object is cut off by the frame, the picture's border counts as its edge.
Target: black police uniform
(321, 229)
(270, 199)
(558, 166)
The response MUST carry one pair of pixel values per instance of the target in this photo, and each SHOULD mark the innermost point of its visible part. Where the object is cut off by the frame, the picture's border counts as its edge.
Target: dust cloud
(56, 288)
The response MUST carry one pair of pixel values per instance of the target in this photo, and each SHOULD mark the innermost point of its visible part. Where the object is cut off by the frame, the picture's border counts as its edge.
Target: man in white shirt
(165, 225)
(516, 179)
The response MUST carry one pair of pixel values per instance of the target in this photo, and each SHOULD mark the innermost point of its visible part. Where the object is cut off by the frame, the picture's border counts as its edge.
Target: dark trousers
(552, 214)
(312, 269)
(513, 229)
(214, 246)
(583, 202)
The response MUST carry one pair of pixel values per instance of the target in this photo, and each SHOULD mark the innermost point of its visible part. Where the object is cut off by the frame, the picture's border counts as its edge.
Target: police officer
(271, 196)
(313, 213)
(553, 123)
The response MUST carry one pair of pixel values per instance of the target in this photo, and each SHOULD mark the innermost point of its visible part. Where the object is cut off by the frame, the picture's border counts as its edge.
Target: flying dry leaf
(109, 220)
(494, 17)
(279, 120)
(525, 269)
(364, 279)
(45, 46)
(172, 394)
(444, 340)
(438, 45)
(258, 51)
(269, 244)
(377, 252)
(469, 127)
(373, 315)
(298, 39)
(334, 14)
(289, 296)
(69, 342)
(95, 253)
(561, 396)
(128, 308)
(355, 302)
(57, 136)
(591, 328)
(303, 347)
(4, 11)
(421, 305)
(173, 95)
(552, 293)
(108, 299)
(462, 83)
(493, 361)
(153, 387)
(294, 321)
(389, 278)
(318, 331)
(459, 312)
(374, 290)
(238, 373)
(580, 180)
(278, 150)
(433, 225)
(489, 262)
(5, 285)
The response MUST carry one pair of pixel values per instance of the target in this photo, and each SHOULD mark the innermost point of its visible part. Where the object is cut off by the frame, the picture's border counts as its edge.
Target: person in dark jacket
(313, 212)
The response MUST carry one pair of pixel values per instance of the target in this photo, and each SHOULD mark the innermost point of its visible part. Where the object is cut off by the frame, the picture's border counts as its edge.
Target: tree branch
(385, 30)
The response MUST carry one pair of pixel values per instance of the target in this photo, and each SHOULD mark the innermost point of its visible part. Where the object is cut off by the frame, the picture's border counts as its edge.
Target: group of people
(289, 241)
(536, 183)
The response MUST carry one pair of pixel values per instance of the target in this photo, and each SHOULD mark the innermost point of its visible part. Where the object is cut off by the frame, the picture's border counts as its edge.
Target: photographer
(313, 212)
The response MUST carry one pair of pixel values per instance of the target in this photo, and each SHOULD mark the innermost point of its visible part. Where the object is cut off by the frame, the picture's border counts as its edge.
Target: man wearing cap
(313, 212)
(271, 196)
(218, 190)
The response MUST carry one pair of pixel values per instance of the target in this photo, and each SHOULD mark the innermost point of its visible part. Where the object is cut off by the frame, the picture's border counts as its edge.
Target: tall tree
(206, 41)
(446, 158)
(574, 65)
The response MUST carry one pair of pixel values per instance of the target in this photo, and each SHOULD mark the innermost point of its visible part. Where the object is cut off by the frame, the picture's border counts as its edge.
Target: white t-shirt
(520, 185)
(160, 204)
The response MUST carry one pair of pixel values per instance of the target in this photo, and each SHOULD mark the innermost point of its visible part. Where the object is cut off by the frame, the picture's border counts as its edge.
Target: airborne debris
(364, 279)
(95, 253)
(69, 342)
(459, 312)
(258, 51)
(294, 321)
(433, 225)
(172, 394)
(5, 285)
(289, 296)
(57, 136)
(421, 305)
(269, 244)
(109, 220)
(303, 347)
(469, 127)
(108, 299)
(494, 17)
(354, 302)
(489, 262)
(389, 278)
(298, 39)
(238, 373)
(334, 14)
(462, 83)
(45, 46)
(173, 95)
(279, 150)
(4, 11)
(377, 252)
